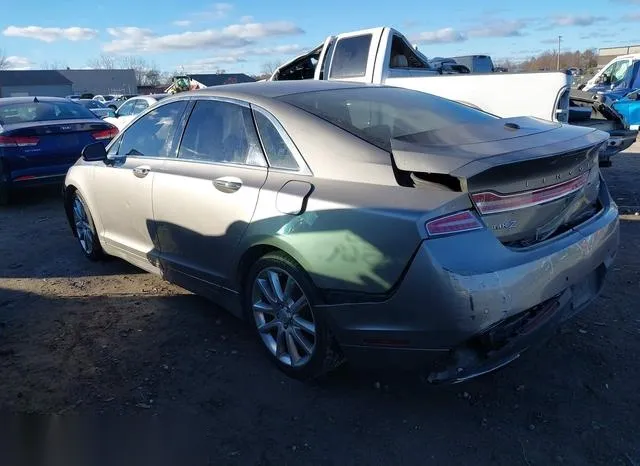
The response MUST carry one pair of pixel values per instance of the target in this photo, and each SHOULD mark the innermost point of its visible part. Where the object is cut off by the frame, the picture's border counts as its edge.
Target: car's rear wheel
(85, 228)
(280, 303)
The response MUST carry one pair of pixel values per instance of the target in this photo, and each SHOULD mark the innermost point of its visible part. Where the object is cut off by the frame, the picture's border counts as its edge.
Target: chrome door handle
(227, 184)
(142, 171)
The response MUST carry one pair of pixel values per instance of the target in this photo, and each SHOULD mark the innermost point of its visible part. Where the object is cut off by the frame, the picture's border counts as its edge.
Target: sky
(242, 36)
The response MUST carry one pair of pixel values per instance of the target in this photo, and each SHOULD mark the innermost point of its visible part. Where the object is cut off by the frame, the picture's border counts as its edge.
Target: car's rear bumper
(461, 289)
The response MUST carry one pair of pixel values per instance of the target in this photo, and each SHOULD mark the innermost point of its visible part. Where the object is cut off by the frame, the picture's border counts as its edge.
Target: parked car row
(41, 137)
(345, 221)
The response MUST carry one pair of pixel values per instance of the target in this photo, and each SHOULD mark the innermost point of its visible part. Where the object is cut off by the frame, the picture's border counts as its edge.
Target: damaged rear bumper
(468, 305)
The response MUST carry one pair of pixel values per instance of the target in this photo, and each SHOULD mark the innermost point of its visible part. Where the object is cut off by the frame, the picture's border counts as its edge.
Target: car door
(123, 186)
(204, 199)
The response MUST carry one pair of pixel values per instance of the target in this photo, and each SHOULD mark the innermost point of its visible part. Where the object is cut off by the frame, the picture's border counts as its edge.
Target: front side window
(350, 57)
(276, 148)
(379, 114)
(620, 71)
(153, 134)
(126, 108)
(221, 132)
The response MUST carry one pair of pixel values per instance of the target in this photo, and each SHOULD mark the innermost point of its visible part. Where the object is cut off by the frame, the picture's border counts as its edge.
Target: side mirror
(94, 152)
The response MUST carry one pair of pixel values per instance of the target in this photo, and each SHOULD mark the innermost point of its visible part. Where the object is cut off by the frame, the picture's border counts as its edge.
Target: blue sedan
(41, 137)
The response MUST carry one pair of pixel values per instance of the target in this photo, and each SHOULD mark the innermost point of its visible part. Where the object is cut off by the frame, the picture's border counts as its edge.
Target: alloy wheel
(284, 317)
(84, 230)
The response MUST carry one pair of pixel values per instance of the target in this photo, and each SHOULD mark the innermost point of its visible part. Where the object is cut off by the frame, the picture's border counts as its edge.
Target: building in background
(22, 83)
(102, 82)
(605, 55)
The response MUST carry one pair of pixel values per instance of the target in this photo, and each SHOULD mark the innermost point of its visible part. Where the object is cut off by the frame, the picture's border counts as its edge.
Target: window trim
(303, 167)
(193, 102)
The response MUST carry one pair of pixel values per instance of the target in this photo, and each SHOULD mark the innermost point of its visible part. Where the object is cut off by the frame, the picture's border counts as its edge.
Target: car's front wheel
(280, 303)
(85, 228)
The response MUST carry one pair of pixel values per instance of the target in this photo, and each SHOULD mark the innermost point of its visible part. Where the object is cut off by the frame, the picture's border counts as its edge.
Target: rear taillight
(492, 203)
(18, 141)
(454, 223)
(105, 134)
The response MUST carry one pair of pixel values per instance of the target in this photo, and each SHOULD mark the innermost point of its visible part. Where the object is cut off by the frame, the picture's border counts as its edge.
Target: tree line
(586, 60)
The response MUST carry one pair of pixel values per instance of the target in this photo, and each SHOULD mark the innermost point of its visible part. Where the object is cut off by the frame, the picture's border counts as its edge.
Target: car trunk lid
(528, 179)
(46, 143)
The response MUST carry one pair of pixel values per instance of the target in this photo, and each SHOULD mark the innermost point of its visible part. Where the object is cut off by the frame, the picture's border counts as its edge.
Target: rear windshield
(25, 112)
(379, 114)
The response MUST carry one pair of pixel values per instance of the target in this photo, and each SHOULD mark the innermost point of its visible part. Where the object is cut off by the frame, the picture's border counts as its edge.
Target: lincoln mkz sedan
(352, 222)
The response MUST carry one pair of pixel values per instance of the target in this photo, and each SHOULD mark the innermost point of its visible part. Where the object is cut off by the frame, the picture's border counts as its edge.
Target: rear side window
(350, 57)
(153, 134)
(221, 132)
(25, 112)
(276, 148)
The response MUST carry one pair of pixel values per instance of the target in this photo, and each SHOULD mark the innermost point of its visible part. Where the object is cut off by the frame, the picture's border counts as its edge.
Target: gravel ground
(84, 338)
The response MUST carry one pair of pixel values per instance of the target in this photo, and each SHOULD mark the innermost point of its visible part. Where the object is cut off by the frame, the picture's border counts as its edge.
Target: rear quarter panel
(351, 236)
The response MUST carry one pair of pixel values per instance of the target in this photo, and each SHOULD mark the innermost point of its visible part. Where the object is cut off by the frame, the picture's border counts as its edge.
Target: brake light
(105, 134)
(454, 223)
(18, 141)
(491, 203)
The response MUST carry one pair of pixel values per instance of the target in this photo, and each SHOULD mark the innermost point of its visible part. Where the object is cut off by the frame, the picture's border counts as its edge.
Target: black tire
(326, 354)
(95, 252)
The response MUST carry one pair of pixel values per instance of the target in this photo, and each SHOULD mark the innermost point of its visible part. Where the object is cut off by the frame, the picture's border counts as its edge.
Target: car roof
(24, 100)
(271, 89)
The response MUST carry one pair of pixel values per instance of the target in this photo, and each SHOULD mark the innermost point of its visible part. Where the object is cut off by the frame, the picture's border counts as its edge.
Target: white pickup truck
(384, 56)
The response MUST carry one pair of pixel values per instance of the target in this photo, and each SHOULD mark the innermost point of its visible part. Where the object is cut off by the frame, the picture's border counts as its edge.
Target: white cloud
(499, 29)
(218, 10)
(576, 20)
(242, 56)
(440, 36)
(631, 17)
(182, 23)
(14, 62)
(134, 39)
(51, 34)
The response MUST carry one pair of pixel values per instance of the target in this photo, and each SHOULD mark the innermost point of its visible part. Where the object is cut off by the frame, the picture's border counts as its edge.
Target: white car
(132, 108)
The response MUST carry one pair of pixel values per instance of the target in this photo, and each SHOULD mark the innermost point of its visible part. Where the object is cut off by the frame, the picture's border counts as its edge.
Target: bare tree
(147, 73)
(54, 65)
(4, 60)
(269, 67)
(103, 62)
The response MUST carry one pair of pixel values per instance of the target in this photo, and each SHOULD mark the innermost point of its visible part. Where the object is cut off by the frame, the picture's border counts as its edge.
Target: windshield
(42, 111)
(379, 114)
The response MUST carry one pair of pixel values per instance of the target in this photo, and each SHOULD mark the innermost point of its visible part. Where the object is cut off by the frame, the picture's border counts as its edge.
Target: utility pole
(558, 63)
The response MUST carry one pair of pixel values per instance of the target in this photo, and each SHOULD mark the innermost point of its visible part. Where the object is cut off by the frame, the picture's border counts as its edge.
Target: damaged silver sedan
(346, 221)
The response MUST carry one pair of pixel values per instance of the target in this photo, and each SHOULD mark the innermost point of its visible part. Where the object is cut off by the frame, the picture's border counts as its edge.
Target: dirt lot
(84, 338)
